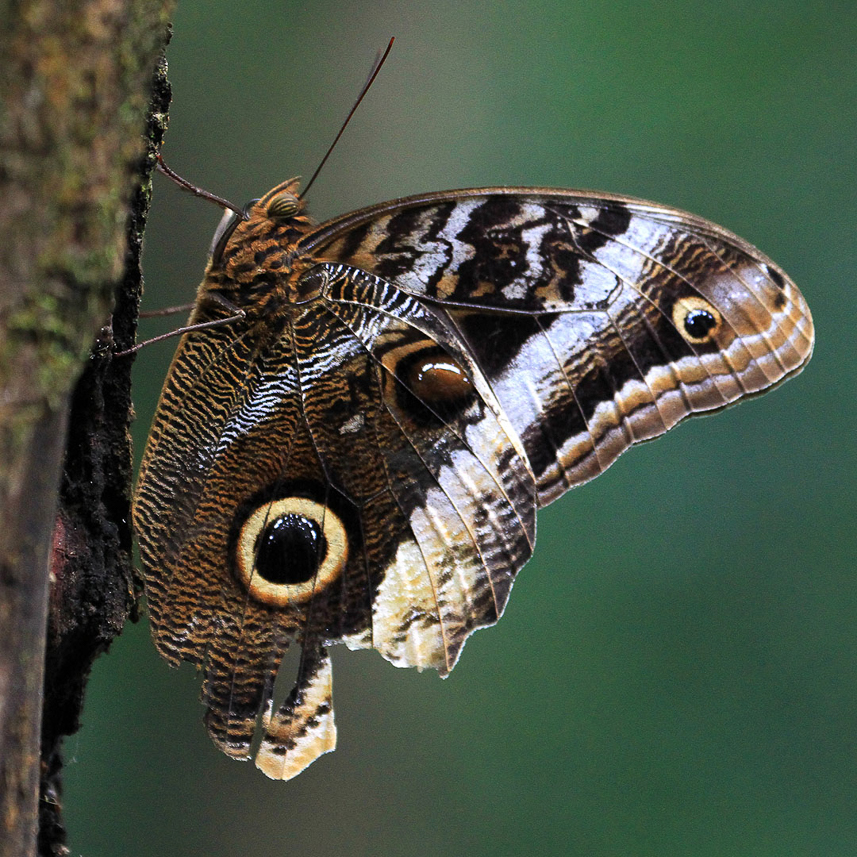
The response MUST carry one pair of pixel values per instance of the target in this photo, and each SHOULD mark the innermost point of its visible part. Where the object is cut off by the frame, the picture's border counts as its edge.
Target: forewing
(598, 321)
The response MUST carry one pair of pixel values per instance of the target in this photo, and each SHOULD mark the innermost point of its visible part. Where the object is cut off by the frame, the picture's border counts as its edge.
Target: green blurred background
(675, 673)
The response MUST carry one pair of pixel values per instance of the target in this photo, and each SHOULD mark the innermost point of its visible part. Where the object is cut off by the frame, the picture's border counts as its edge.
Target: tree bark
(76, 81)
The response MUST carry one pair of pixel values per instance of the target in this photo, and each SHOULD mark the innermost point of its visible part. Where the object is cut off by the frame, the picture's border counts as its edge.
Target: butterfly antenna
(379, 61)
(197, 191)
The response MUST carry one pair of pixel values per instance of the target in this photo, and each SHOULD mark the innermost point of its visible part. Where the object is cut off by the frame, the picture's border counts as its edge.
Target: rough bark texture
(76, 80)
(93, 589)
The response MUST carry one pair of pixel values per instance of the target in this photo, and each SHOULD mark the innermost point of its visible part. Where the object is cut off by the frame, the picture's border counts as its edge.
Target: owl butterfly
(359, 458)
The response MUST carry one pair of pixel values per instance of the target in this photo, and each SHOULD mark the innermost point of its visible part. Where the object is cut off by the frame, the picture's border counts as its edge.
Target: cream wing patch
(303, 729)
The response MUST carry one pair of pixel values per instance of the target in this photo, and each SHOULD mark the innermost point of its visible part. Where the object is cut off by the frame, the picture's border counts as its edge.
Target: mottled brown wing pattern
(359, 458)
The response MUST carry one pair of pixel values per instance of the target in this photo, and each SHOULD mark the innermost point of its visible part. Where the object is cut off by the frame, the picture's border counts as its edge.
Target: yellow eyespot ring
(305, 524)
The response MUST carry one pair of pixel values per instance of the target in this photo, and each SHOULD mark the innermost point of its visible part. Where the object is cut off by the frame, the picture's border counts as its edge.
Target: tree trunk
(76, 83)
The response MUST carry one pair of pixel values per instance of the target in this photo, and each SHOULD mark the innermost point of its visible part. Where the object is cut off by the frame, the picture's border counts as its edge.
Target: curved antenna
(379, 61)
(198, 191)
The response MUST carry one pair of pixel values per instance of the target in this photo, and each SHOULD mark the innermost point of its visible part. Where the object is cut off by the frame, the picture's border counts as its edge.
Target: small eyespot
(283, 206)
(697, 320)
(288, 549)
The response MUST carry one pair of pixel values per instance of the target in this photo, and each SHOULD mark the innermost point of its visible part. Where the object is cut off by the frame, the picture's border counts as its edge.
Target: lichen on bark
(76, 81)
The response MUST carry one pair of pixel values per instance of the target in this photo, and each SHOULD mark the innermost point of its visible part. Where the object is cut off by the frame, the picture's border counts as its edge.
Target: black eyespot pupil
(699, 322)
(290, 550)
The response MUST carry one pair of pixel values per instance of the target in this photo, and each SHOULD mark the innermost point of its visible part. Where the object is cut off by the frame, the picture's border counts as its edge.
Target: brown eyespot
(697, 320)
(427, 383)
(282, 206)
(288, 549)
(437, 377)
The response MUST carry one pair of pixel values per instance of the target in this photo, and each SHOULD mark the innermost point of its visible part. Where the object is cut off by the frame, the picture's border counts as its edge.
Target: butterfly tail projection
(302, 728)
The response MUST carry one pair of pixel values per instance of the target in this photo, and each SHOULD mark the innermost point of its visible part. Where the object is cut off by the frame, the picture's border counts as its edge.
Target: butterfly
(353, 446)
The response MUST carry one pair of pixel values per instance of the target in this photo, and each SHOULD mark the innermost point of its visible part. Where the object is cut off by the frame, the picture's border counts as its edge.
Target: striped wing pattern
(359, 459)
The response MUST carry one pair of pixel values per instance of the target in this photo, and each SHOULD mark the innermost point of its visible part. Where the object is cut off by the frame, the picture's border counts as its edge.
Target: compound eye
(283, 206)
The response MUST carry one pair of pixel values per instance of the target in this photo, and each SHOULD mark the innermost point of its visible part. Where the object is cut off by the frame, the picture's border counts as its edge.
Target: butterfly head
(254, 255)
(278, 215)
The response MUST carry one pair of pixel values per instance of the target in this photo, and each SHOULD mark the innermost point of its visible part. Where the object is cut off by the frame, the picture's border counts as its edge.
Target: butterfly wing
(363, 466)
(599, 321)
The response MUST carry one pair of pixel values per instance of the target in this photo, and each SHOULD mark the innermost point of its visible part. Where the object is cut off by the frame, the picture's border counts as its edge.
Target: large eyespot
(697, 320)
(427, 382)
(288, 549)
(283, 206)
